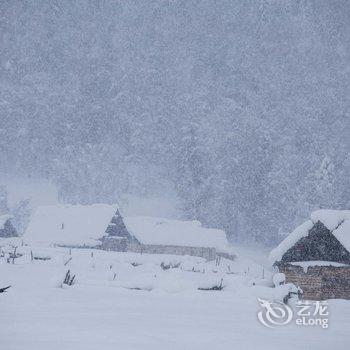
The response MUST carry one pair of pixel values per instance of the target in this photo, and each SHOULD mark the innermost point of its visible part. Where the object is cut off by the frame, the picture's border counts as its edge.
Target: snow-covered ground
(128, 301)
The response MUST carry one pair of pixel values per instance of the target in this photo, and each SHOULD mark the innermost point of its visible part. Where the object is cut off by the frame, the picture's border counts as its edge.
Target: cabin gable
(319, 245)
(117, 228)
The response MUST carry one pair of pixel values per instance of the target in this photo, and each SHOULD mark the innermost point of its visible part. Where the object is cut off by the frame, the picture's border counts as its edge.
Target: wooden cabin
(316, 256)
(153, 235)
(101, 226)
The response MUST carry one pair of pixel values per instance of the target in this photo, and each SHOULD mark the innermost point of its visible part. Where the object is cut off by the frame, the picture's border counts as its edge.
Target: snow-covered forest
(239, 107)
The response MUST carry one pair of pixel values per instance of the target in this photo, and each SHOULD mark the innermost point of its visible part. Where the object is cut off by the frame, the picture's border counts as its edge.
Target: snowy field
(129, 301)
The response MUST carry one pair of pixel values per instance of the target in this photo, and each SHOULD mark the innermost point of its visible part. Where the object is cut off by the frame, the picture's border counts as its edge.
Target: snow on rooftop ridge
(337, 221)
(160, 231)
(300, 232)
(342, 234)
(330, 218)
(69, 224)
(3, 219)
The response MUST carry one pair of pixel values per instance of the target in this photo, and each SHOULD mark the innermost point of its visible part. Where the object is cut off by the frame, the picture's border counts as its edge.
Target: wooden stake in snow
(65, 264)
(31, 256)
(68, 279)
(14, 255)
(3, 290)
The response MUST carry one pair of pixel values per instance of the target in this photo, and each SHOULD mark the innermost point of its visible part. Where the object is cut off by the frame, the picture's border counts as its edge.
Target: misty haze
(174, 174)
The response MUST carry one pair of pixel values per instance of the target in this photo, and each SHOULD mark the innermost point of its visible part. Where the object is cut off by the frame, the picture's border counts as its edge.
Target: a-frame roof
(337, 222)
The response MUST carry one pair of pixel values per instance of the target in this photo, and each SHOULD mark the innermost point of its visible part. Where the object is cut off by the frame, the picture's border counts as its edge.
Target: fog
(234, 113)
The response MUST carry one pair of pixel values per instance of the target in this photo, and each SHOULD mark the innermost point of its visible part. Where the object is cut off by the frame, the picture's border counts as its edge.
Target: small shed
(6, 227)
(316, 255)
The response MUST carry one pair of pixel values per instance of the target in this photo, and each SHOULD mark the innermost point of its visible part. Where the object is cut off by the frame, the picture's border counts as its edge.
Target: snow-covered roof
(3, 219)
(158, 231)
(69, 224)
(337, 221)
(86, 224)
